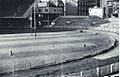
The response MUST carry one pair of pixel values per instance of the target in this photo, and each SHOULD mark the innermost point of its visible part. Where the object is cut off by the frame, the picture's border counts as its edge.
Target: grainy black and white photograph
(59, 38)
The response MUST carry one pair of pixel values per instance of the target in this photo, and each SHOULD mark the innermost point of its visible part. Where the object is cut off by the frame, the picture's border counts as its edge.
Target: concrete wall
(96, 12)
(104, 3)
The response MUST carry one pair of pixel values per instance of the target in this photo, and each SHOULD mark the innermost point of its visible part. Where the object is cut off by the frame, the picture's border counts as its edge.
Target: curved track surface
(29, 50)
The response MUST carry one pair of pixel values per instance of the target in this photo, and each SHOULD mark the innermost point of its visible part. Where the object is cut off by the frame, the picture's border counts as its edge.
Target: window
(46, 10)
(60, 10)
(39, 10)
(39, 15)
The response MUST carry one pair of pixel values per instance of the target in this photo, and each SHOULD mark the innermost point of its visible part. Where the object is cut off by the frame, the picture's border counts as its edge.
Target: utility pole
(101, 3)
(31, 28)
(35, 19)
(48, 19)
(48, 14)
(65, 8)
(107, 10)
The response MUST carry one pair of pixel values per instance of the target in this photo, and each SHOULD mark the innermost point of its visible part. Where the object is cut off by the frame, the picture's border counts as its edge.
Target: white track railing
(97, 72)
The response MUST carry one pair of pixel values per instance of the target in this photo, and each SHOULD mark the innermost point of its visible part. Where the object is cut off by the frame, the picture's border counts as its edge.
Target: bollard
(98, 70)
(55, 60)
(81, 73)
(84, 45)
(65, 58)
(81, 31)
(43, 63)
(74, 56)
(30, 64)
(111, 68)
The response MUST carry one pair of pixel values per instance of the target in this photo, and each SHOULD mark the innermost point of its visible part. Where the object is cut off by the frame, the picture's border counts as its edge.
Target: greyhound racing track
(46, 48)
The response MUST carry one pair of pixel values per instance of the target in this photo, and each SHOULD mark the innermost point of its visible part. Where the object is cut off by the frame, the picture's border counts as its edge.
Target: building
(71, 7)
(108, 6)
(115, 11)
(47, 11)
(84, 5)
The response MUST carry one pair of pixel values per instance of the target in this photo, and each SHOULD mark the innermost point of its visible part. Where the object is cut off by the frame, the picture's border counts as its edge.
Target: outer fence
(98, 72)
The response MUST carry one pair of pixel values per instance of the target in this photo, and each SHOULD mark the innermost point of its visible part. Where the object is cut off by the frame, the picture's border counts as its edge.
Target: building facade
(109, 7)
(71, 7)
(46, 12)
(84, 5)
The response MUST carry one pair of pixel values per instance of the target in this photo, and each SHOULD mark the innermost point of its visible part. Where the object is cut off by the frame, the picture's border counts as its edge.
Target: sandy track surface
(47, 46)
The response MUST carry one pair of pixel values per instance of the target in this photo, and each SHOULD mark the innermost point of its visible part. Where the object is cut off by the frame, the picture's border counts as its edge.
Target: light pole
(12, 57)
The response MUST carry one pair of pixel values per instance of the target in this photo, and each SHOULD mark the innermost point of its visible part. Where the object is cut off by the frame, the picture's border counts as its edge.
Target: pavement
(112, 26)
